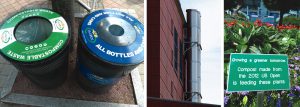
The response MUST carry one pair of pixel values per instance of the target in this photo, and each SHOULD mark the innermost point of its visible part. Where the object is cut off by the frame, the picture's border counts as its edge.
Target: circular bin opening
(116, 30)
(33, 30)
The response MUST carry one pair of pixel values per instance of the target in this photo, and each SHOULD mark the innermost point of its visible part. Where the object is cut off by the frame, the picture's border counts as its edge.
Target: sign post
(260, 99)
(258, 72)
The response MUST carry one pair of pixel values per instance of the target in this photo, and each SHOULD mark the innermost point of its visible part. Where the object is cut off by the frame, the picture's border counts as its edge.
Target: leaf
(253, 104)
(259, 48)
(248, 38)
(298, 37)
(285, 39)
(275, 38)
(229, 51)
(236, 37)
(292, 42)
(253, 49)
(267, 48)
(226, 39)
(275, 51)
(252, 32)
(245, 100)
(240, 32)
(242, 48)
(272, 37)
(297, 104)
(244, 40)
(240, 25)
(258, 29)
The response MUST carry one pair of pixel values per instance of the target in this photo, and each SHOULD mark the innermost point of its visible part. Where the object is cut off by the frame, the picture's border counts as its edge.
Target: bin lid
(33, 35)
(114, 37)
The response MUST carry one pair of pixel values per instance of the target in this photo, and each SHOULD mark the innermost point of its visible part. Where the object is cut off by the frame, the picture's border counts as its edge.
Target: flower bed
(263, 38)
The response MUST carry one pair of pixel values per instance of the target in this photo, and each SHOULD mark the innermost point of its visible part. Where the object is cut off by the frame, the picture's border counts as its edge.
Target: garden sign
(258, 72)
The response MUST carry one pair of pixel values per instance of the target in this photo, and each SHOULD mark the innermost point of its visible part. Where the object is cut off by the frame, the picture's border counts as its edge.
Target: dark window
(185, 33)
(172, 88)
(181, 61)
(172, 25)
(175, 51)
(172, 56)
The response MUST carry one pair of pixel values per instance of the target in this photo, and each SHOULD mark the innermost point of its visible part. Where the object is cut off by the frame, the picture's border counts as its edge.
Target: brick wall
(170, 18)
(153, 43)
(170, 85)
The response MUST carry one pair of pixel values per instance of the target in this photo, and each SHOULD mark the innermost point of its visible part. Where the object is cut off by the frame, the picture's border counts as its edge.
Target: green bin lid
(33, 35)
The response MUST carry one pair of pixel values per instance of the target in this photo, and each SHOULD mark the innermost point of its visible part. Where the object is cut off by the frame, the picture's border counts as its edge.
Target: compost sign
(258, 72)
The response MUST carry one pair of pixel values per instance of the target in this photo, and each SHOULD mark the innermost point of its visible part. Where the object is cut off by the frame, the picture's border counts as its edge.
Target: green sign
(258, 72)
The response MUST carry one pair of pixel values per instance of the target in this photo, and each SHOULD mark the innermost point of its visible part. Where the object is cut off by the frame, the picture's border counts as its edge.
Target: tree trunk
(281, 17)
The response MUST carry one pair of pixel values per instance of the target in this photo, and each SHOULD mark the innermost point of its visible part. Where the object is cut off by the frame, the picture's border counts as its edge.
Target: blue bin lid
(114, 37)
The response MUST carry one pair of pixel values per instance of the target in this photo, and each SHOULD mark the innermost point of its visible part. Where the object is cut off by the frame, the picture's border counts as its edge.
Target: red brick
(164, 41)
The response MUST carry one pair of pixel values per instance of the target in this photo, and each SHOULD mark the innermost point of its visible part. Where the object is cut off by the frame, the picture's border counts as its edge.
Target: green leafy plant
(291, 20)
(246, 37)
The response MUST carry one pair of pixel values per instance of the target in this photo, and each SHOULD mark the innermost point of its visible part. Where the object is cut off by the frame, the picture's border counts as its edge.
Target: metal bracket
(193, 44)
(85, 6)
(193, 94)
(90, 7)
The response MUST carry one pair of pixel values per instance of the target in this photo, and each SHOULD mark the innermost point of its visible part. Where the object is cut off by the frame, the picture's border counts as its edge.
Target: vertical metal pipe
(193, 23)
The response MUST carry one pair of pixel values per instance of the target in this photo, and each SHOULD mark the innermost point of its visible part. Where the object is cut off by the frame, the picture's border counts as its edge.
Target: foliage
(239, 16)
(282, 5)
(291, 20)
(258, 37)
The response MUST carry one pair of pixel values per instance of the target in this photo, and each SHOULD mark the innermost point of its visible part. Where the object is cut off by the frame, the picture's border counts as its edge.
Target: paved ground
(122, 92)
(10, 7)
(133, 7)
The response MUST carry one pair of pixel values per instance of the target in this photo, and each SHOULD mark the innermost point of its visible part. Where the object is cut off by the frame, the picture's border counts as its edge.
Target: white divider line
(138, 87)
